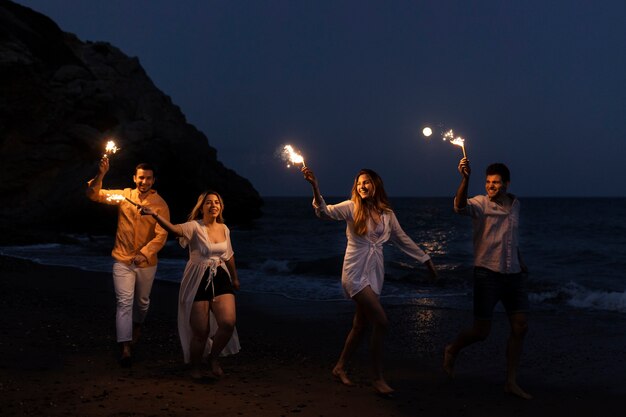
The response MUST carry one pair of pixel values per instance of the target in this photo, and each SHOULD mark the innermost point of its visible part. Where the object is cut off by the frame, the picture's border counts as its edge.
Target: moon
(427, 131)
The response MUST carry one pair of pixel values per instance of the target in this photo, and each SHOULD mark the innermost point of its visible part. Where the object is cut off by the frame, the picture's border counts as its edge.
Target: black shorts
(491, 287)
(221, 285)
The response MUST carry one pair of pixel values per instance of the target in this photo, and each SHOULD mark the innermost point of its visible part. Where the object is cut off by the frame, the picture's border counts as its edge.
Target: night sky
(539, 85)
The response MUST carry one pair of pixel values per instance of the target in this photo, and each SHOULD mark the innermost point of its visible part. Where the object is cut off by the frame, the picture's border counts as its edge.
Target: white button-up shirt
(495, 234)
(363, 263)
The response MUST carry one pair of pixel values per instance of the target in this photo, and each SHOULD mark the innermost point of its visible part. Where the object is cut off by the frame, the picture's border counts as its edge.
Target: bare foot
(381, 388)
(126, 360)
(341, 375)
(136, 333)
(514, 389)
(196, 374)
(448, 361)
(216, 369)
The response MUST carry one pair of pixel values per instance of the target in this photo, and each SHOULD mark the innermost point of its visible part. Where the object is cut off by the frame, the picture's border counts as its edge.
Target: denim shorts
(491, 287)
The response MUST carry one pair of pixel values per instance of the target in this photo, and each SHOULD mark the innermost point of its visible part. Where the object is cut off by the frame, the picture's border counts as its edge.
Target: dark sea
(575, 249)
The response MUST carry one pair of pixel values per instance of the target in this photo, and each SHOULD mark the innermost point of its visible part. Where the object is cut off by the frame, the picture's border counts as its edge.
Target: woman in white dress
(206, 307)
(370, 223)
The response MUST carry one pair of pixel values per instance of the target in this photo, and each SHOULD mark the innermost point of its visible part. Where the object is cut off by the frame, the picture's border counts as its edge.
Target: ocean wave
(16, 250)
(274, 265)
(578, 296)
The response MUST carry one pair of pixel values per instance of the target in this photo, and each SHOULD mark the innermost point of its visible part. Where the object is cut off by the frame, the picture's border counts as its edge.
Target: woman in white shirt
(206, 308)
(370, 223)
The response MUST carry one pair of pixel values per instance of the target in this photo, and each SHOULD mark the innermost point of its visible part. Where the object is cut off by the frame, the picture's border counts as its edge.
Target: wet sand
(58, 357)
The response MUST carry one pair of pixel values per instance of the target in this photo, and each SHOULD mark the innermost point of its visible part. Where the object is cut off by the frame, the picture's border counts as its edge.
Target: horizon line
(449, 196)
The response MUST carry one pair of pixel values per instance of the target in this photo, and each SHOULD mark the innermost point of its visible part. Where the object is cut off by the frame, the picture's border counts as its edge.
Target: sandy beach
(58, 357)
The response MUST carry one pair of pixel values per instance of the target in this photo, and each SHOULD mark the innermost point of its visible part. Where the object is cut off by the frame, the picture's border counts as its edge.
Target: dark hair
(501, 170)
(146, 167)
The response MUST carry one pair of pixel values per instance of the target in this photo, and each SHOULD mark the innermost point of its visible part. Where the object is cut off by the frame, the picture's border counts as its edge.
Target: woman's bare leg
(353, 340)
(370, 306)
(223, 308)
(200, 326)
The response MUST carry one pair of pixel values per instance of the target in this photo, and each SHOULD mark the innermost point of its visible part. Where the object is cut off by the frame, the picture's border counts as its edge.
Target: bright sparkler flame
(458, 141)
(118, 198)
(110, 149)
(115, 198)
(292, 156)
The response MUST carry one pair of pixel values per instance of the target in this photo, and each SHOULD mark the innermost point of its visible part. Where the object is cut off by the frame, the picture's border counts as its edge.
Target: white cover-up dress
(363, 263)
(203, 254)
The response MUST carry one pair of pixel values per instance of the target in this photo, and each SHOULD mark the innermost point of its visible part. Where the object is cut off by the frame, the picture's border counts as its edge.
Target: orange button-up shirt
(136, 233)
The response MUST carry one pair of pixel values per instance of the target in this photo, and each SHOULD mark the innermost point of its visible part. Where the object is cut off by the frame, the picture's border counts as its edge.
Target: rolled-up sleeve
(473, 208)
(155, 244)
(101, 195)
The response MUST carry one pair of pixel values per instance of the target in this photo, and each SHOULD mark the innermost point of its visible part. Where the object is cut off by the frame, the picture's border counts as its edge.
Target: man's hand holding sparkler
(464, 167)
(94, 185)
(103, 166)
(460, 199)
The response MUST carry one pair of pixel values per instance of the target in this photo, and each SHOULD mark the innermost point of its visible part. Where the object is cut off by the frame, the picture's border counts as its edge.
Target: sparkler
(458, 141)
(115, 198)
(289, 154)
(118, 198)
(110, 149)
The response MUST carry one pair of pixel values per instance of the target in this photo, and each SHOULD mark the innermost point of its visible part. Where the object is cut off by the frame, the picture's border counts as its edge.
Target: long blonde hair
(379, 198)
(196, 212)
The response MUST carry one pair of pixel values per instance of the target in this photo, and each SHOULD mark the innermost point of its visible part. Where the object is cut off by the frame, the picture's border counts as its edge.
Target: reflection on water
(575, 259)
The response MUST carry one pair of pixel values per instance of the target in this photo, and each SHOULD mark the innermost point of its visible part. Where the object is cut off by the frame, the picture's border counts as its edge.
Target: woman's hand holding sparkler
(309, 176)
(147, 211)
(312, 179)
(174, 229)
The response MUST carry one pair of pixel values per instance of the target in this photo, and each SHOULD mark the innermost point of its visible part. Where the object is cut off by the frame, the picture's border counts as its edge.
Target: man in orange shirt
(137, 241)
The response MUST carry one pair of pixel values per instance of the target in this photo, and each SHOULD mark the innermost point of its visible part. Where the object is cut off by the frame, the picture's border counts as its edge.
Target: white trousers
(132, 291)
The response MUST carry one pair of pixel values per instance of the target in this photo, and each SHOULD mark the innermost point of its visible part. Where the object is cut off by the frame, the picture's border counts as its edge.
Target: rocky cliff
(60, 99)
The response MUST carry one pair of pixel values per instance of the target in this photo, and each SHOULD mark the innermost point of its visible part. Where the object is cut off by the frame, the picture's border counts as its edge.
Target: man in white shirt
(499, 272)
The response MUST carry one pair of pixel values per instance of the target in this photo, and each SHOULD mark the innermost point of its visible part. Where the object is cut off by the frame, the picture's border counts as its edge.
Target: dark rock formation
(60, 99)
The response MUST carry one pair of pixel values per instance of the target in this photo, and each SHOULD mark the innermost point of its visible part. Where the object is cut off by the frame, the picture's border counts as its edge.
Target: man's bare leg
(477, 333)
(125, 359)
(136, 333)
(519, 328)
